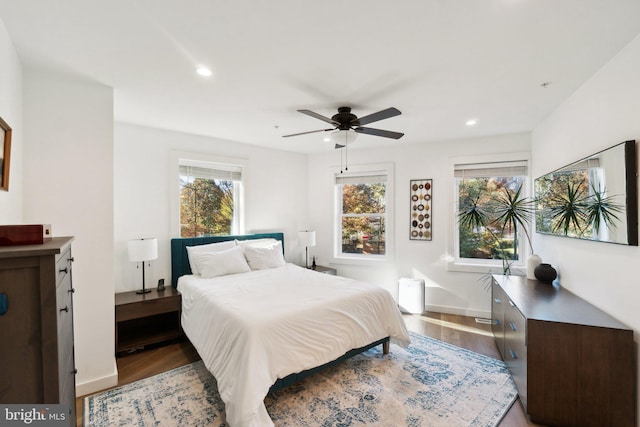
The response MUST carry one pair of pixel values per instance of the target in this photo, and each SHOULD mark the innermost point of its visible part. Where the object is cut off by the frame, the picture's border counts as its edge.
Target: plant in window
(496, 214)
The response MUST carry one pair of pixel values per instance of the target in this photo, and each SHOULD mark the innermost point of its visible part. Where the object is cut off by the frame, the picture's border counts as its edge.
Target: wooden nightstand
(147, 319)
(325, 270)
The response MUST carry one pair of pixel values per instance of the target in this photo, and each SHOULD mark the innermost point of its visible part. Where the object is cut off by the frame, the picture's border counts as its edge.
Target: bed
(268, 325)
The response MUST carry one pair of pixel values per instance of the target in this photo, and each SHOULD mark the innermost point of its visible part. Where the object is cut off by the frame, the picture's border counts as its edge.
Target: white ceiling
(440, 62)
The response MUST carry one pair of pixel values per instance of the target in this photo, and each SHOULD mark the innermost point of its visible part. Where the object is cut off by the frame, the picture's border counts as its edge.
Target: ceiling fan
(345, 122)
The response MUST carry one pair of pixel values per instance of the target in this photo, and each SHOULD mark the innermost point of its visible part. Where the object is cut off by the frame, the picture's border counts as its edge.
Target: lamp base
(143, 291)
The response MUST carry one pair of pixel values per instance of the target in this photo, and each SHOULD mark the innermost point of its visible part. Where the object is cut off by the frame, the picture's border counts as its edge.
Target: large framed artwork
(5, 154)
(420, 209)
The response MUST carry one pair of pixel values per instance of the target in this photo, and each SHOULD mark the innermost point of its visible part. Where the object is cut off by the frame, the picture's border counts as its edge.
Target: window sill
(373, 262)
(483, 268)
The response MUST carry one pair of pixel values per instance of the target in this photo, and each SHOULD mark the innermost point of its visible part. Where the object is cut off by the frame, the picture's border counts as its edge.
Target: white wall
(603, 112)
(275, 190)
(11, 112)
(68, 183)
(448, 292)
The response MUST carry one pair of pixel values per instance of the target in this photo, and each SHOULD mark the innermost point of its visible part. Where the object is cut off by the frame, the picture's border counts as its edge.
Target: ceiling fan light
(343, 137)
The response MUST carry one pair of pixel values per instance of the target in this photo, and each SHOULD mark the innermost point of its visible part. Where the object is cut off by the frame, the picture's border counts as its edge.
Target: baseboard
(458, 310)
(98, 384)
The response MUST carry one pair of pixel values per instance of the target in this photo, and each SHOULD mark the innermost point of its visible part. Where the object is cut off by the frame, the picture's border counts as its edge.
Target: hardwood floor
(457, 330)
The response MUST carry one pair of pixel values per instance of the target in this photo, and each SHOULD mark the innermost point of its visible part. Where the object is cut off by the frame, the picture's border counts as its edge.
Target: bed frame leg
(385, 347)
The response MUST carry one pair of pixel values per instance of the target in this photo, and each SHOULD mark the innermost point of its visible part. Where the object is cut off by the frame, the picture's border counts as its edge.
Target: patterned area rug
(431, 383)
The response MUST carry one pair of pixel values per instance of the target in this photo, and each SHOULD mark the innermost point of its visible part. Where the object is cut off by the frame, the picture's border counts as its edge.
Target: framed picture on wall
(420, 209)
(5, 154)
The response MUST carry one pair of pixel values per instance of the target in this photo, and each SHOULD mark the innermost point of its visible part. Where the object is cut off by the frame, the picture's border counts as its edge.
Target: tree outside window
(484, 194)
(491, 241)
(362, 215)
(207, 202)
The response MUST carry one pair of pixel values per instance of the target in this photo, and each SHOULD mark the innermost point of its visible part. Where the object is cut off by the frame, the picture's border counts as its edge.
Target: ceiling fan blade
(380, 132)
(319, 116)
(380, 115)
(304, 133)
(338, 146)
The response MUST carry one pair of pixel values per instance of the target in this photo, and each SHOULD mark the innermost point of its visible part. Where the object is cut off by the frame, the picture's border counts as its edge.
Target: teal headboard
(180, 260)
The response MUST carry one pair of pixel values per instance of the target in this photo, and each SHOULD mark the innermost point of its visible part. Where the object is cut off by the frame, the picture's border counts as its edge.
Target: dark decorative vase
(545, 273)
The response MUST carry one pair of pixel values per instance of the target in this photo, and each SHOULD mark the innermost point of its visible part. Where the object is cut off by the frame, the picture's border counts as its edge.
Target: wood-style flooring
(457, 330)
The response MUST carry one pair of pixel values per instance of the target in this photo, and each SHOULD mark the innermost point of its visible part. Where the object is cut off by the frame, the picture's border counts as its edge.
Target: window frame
(476, 265)
(179, 158)
(338, 256)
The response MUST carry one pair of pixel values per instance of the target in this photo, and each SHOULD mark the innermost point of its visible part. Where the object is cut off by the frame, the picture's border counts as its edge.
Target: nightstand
(325, 270)
(144, 319)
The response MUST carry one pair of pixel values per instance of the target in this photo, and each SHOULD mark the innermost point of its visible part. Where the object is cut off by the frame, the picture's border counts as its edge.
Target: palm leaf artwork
(567, 210)
(601, 210)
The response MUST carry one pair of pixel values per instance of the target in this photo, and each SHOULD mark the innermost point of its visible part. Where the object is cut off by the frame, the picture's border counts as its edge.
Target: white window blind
(360, 179)
(582, 165)
(220, 172)
(489, 170)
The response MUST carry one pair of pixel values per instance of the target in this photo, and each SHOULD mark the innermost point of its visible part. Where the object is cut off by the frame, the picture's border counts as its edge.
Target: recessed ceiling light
(203, 71)
(471, 122)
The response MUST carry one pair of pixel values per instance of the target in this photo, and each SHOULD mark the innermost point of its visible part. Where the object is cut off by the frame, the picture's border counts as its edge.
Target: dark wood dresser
(36, 330)
(573, 364)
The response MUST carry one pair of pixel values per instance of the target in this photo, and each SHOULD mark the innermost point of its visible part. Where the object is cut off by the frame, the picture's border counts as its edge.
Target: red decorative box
(31, 234)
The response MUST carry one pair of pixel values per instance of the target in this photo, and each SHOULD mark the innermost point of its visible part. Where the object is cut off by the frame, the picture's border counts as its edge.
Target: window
(363, 215)
(479, 186)
(209, 198)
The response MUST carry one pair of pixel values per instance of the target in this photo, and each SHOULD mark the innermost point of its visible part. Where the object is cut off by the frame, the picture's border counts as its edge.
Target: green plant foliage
(491, 215)
(601, 211)
(567, 210)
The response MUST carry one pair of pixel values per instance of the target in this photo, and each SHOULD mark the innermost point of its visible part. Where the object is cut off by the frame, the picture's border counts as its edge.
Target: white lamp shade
(143, 249)
(307, 238)
(343, 137)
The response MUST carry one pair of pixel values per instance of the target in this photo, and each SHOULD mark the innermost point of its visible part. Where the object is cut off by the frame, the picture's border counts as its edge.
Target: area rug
(430, 383)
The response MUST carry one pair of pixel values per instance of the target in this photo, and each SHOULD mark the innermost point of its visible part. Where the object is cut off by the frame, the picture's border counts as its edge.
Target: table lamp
(142, 250)
(307, 238)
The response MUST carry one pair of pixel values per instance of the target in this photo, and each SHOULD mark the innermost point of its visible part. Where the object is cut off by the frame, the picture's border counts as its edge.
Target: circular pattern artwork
(420, 199)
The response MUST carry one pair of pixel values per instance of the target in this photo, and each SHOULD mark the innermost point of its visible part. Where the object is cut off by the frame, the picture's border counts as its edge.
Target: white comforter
(252, 328)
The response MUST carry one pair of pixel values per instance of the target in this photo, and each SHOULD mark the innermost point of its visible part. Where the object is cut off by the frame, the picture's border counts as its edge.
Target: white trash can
(411, 295)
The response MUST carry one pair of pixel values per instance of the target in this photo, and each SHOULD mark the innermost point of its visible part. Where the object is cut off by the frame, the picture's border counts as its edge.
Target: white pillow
(214, 264)
(260, 258)
(258, 243)
(211, 247)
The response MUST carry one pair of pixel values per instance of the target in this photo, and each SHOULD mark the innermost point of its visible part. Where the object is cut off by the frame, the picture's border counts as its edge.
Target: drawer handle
(511, 304)
(71, 259)
(64, 270)
(66, 308)
(513, 327)
(498, 300)
(71, 291)
(513, 354)
(75, 371)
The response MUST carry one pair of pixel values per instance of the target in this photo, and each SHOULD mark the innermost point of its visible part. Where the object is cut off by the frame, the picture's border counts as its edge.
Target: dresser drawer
(498, 301)
(63, 266)
(515, 348)
(68, 385)
(147, 308)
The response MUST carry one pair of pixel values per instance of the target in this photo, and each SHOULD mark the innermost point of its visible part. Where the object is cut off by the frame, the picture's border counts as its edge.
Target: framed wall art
(420, 209)
(5, 154)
